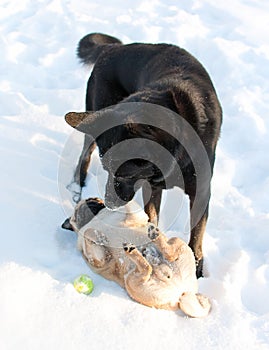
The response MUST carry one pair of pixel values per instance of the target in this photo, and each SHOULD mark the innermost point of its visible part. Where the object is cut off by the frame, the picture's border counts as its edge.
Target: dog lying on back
(123, 247)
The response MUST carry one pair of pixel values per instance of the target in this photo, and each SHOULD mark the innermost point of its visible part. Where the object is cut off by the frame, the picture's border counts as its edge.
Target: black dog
(162, 75)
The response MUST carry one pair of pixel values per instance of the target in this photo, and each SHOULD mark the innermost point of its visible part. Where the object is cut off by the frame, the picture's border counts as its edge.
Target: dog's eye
(119, 179)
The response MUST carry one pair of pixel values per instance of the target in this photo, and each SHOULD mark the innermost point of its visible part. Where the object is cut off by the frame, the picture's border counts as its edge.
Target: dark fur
(161, 74)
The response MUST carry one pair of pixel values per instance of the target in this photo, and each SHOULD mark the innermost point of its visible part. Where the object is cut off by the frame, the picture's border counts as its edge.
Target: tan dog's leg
(142, 265)
(97, 255)
(171, 249)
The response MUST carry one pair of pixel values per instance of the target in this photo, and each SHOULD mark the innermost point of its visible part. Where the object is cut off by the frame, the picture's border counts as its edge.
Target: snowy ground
(40, 81)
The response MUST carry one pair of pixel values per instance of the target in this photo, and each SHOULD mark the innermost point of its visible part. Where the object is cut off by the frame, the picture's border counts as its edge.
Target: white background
(41, 80)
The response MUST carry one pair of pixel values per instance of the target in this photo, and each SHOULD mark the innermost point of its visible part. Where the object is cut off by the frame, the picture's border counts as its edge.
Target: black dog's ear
(81, 120)
(193, 112)
(93, 123)
(74, 119)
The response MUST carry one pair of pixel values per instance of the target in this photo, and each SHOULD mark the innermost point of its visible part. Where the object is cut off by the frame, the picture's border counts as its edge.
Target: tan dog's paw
(153, 232)
(194, 305)
(128, 247)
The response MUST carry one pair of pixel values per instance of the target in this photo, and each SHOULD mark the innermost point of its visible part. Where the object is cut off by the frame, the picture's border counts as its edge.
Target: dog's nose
(118, 193)
(110, 205)
(113, 203)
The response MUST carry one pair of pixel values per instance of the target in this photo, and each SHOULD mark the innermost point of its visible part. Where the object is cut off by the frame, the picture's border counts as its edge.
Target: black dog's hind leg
(196, 241)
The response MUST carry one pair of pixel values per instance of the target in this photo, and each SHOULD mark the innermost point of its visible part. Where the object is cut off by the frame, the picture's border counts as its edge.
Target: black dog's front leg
(82, 168)
(84, 161)
(152, 202)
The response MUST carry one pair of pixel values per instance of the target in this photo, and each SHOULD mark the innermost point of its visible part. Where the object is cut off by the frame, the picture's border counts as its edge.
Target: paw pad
(153, 232)
(128, 247)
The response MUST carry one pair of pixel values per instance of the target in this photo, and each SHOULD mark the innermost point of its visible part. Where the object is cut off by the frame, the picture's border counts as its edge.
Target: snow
(41, 80)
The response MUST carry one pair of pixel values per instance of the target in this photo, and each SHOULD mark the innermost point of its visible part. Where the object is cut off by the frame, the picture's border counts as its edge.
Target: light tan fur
(155, 271)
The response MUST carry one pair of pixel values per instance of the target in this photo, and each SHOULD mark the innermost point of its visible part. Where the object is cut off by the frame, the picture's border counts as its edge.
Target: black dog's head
(133, 147)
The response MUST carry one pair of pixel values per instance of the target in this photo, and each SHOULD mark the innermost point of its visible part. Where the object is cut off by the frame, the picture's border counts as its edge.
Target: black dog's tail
(92, 45)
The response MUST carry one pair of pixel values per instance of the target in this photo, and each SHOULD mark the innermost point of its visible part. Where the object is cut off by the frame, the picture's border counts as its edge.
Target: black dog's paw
(128, 247)
(199, 267)
(76, 197)
(153, 232)
(76, 191)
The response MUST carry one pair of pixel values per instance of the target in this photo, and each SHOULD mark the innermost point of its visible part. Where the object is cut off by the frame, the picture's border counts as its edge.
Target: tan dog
(155, 271)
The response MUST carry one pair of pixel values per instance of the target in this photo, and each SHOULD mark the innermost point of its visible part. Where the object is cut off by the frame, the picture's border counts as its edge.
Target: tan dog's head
(84, 212)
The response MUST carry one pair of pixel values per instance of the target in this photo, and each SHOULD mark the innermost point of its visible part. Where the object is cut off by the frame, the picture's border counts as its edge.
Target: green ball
(83, 284)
